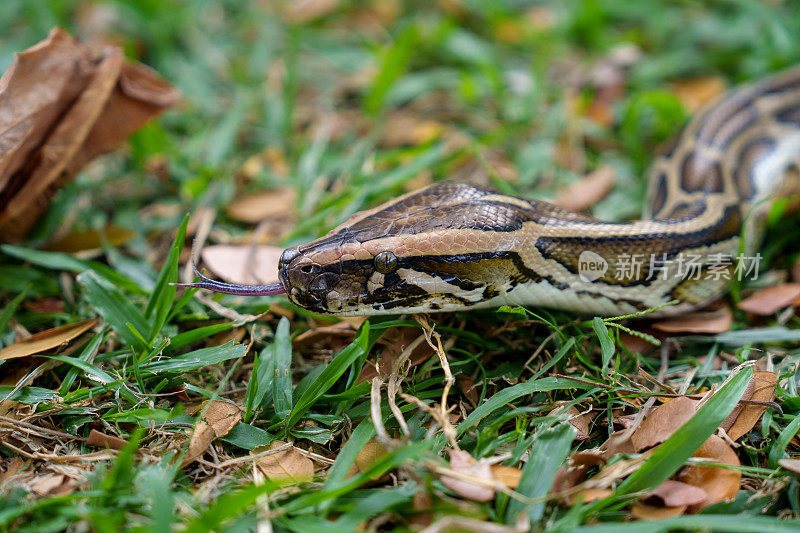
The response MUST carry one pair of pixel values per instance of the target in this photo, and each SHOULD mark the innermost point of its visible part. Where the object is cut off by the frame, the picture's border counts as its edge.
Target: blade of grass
(347, 455)
(282, 382)
(114, 307)
(512, 393)
(193, 335)
(196, 359)
(88, 352)
(11, 308)
(260, 384)
(63, 261)
(778, 449)
(328, 377)
(228, 505)
(393, 64)
(546, 455)
(606, 342)
(163, 295)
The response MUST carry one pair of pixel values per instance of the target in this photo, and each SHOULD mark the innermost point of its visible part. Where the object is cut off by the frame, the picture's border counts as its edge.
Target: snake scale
(453, 246)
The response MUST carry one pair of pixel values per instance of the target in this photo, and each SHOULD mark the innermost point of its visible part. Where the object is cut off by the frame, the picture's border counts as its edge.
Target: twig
(396, 378)
(447, 427)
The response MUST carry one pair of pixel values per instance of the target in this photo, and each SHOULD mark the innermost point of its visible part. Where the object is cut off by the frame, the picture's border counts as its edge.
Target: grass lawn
(232, 414)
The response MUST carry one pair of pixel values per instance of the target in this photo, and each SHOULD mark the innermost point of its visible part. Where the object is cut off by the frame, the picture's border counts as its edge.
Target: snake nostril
(307, 269)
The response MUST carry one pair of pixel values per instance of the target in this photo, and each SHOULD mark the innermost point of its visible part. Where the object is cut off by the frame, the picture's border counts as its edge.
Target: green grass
(498, 78)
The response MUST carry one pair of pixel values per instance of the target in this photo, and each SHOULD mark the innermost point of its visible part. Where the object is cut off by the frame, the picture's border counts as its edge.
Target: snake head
(447, 247)
(318, 281)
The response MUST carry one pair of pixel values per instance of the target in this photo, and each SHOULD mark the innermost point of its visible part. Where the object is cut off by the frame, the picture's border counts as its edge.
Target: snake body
(453, 246)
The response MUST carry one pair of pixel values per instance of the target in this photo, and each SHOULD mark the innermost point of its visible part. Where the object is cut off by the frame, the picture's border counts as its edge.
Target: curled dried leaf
(102, 440)
(710, 321)
(286, 467)
(576, 419)
(642, 511)
(617, 443)
(673, 493)
(371, 452)
(792, 465)
(217, 421)
(60, 106)
(663, 422)
(747, 415)
(463, 463)
(10, 467)
(719, 483)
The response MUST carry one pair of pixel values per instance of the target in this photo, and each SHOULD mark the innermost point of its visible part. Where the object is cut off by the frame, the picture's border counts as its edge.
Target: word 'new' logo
(591, 266)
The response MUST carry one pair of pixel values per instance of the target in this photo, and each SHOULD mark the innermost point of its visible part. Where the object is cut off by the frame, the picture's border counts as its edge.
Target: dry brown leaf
(217, 421)
(696, 92)
(588, 190)
(671, 493)
(635, 344)
(616, 444)
(576, 419)
(598, 486)
(663, 422)
(91, 239)
(711, 321)
(468, 388)
(52, 485)
(9, 468)
(463, 463)
(771, 299)
(568, 477)
(254, 207)
(507, 475)
(287, 467)
(371, 452)
(720, 484)
(61, 106)
(243, 263)
(102, 440)
(642, 511)
(748, 416)
(47, 340)
(792, 465)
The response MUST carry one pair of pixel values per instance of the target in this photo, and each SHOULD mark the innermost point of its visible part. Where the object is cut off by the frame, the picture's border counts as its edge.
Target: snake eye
(386, 262)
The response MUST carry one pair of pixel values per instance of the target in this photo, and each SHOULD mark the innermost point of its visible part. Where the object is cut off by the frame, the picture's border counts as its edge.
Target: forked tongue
(209, 284)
